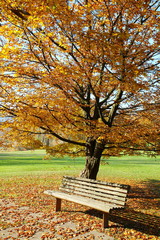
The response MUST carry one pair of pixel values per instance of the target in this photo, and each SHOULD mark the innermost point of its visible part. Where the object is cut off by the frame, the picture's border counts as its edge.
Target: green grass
(34, 162)
(132, 167)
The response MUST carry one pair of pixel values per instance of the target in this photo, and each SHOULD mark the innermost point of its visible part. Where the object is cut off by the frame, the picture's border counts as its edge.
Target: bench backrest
(111, 193)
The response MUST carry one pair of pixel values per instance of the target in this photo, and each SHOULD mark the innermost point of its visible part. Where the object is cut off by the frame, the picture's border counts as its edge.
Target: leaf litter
(28, 214)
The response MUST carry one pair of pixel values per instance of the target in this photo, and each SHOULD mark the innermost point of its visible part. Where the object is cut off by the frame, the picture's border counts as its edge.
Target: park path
(21, 223)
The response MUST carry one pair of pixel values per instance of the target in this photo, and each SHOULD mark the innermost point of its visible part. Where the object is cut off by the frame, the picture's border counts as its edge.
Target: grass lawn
(34, 162)
(139, 168)
(27, 212)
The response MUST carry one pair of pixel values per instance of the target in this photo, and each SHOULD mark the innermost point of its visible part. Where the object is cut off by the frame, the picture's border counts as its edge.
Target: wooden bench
(99, 195)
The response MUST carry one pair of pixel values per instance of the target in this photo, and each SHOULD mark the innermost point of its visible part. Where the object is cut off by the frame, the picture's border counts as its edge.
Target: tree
(83, 72)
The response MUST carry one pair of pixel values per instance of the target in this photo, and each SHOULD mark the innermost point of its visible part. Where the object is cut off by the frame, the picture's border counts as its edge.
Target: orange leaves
(26, 231)
(64, 63)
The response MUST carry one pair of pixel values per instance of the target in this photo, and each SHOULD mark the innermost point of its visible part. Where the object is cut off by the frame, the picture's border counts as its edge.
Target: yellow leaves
(101, 139)
(145, 121)
(106, 21)
(31, 143)
(64, 61)
(50, 34)
(88, 5)
(35, 21)
(58, 149)
(115, 34)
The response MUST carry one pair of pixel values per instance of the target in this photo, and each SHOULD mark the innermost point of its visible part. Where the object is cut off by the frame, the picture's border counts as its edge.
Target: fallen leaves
(26, 213)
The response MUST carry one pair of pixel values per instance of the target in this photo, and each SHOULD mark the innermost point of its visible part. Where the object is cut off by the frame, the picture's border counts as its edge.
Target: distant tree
(82, 72)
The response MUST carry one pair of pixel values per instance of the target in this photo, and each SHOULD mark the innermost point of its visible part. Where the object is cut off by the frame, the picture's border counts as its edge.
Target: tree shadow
(146, 189)
(145, 195)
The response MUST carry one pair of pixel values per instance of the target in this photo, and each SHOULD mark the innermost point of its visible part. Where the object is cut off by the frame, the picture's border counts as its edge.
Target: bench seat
(101, 206)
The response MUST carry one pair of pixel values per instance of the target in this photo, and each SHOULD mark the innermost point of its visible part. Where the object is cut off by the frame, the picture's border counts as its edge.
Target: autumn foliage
(82, 72)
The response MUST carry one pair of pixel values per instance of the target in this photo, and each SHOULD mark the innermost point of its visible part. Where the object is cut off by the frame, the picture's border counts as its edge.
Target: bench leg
(58, 204)
(105, 220)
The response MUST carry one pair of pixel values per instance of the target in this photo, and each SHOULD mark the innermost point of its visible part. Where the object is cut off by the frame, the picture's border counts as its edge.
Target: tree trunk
(93, 155)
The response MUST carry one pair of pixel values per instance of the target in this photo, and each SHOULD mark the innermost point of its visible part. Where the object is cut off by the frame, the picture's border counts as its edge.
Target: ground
(28, 214)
